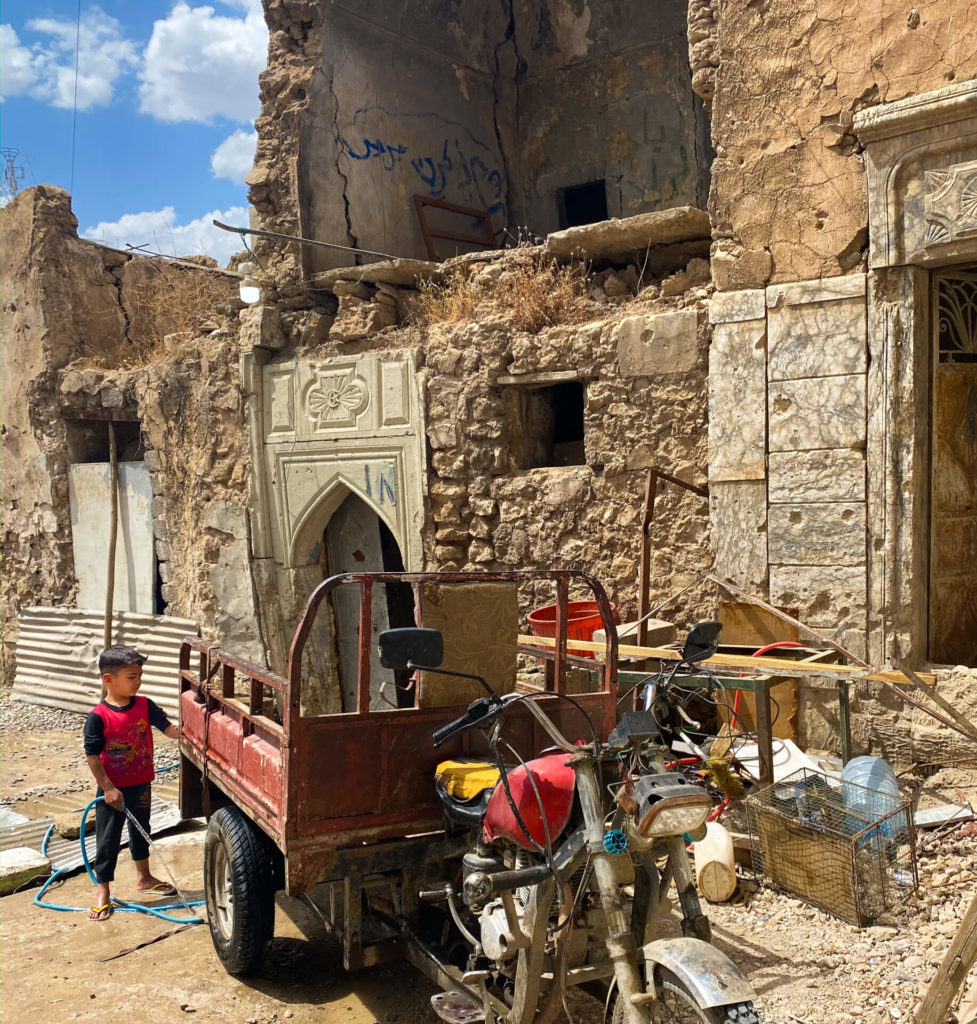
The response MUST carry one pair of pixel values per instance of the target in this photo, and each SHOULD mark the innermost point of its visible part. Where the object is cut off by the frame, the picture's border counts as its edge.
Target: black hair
(118, 656)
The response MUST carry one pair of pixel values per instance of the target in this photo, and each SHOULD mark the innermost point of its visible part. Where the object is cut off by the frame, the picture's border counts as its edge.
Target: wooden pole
(113, 536)
(952, 973)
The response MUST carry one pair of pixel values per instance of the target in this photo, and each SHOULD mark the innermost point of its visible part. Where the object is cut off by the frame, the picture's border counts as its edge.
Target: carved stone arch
(314, 518)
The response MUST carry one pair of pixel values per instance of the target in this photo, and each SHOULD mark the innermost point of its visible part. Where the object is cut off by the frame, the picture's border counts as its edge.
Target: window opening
(548, 425)
(88, 441)
(582, 204)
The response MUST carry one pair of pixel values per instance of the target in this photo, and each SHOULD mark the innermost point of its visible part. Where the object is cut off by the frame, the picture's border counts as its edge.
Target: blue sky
(166, 96)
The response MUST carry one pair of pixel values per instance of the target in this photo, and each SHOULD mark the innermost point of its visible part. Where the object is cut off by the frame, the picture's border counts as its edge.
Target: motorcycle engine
(495, 932)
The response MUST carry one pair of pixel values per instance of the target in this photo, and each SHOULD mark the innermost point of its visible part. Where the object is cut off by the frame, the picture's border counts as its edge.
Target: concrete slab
(398, 272)
(629, 235)
(19, 865)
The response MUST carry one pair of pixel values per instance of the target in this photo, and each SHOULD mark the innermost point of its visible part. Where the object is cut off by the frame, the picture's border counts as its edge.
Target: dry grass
(529, 292)
(159, 301)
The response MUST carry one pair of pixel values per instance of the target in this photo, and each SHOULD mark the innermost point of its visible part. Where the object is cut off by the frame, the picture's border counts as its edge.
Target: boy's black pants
(108, 829)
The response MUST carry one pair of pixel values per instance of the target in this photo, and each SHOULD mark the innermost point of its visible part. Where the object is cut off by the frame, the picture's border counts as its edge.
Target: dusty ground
(804, 965)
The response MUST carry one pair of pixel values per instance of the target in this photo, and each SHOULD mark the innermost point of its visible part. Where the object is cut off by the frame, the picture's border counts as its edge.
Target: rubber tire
(731, 1013)
(246, 851)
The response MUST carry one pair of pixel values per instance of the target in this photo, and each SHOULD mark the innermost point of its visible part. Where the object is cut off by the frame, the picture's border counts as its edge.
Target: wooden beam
(744, 663)
(952, 972)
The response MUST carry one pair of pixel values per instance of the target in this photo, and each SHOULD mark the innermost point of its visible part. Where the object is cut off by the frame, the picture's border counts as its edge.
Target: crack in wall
(117, 280)
(497, 96)
(350, 234)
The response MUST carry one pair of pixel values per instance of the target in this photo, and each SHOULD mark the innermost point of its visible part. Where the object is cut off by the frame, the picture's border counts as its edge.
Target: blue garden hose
(121, 905)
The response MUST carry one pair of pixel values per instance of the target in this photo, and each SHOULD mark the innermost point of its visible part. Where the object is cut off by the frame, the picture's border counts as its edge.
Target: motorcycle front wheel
(676, 1005)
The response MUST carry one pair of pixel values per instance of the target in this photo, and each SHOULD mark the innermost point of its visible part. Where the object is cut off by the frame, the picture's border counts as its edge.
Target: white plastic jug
(715, 866)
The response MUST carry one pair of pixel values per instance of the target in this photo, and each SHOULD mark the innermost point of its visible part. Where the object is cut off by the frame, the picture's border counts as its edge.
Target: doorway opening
(356, 539)
(953, 470)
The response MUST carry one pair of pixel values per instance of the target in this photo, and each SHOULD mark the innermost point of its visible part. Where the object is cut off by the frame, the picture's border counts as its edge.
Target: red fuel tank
(555, 782)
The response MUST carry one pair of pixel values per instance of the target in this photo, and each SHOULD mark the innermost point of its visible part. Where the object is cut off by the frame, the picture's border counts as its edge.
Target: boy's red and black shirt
(123, 740)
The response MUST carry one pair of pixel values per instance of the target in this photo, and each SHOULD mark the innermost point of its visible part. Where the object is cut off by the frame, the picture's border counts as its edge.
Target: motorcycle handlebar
(477, 712)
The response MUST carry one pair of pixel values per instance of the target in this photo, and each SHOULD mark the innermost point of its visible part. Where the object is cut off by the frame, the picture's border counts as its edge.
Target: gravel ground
(16, 716)
(806, 966)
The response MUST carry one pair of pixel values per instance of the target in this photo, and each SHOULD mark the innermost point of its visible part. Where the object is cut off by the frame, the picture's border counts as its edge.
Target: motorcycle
(568, 865)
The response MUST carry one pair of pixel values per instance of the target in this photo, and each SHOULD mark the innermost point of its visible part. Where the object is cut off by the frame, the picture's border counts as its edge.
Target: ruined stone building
(785, 310)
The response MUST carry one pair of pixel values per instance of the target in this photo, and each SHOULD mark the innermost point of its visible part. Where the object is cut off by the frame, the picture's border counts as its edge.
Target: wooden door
(953, 486)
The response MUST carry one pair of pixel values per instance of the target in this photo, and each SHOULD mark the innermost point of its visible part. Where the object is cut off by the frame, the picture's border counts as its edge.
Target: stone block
(738, 401)
(824, 595)
(629, 235)
(817, 339)
(830, 474)
(826, 412)
(19, 865)
(649, 346)
(822, 289)
(738, 511)
(745, 269)
(822, 534)
(729, 307)
(261, 327)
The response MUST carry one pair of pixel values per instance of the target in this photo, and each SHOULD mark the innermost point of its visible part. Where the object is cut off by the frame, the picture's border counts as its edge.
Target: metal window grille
(957, 316)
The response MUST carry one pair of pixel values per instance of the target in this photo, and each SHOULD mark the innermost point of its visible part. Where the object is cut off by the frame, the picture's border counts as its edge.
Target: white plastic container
(715, 866)
(883, 797)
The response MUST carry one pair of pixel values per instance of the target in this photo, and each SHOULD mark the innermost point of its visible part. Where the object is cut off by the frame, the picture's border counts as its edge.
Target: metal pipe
(113, 537)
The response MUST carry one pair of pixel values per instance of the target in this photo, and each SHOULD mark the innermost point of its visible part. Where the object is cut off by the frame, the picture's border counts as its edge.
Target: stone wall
(607, 96)
(71, 306)
(788, 199)
(497, 106)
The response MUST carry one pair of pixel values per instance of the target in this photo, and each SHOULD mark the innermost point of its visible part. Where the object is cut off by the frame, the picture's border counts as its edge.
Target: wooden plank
(743, 663)
(952, 971)
(748, 624)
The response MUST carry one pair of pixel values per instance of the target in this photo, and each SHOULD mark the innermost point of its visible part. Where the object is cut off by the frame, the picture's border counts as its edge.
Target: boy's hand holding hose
(113, 798)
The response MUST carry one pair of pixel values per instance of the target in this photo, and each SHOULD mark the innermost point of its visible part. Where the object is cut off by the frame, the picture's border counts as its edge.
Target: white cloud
(159, 230)
(234, 157)
(45, 69)
(200, 65)
(16, 64)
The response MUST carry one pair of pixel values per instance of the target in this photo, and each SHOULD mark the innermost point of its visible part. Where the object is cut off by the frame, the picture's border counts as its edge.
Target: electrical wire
(74, 112)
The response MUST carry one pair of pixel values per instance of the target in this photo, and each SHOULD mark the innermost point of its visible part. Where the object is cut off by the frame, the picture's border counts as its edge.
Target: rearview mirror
(400, 648)
(702, 641)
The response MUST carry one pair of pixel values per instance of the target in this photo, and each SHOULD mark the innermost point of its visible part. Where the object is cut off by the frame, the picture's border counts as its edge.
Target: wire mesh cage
(842, 847)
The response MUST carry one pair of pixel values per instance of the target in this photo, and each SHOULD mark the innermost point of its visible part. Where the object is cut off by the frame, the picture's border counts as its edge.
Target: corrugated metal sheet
(66, 853)
(57, 655)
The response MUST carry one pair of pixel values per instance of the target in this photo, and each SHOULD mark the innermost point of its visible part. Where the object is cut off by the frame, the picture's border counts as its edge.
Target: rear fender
(710, 976)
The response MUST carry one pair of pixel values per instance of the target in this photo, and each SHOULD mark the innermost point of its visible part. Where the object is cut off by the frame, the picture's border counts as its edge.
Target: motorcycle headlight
(674, 817)
(669, 805)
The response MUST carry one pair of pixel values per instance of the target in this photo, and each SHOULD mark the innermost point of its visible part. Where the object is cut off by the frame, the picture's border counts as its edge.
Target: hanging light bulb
(249, 289)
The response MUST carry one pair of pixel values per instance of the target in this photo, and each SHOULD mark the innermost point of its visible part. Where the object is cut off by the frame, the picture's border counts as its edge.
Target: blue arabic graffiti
(464, 166)
(386, 484)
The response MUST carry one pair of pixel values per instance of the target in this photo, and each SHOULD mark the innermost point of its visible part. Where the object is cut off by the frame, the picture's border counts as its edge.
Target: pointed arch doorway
(346, 534)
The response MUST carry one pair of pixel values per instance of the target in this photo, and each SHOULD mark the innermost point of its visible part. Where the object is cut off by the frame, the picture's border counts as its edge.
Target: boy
(119, 751)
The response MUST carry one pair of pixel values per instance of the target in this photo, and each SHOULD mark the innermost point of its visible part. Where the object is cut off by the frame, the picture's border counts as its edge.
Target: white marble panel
(823, 534)
(737, 401)
(827, 412)
(829, 474)
(817, 339)
(824, 595)
(738, 511)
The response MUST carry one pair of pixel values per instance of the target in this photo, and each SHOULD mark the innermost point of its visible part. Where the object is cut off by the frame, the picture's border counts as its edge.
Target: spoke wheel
(676, 1005)
(239, 886)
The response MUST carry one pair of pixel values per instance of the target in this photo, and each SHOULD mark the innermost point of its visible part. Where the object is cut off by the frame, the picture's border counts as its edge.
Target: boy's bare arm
(112, 796)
